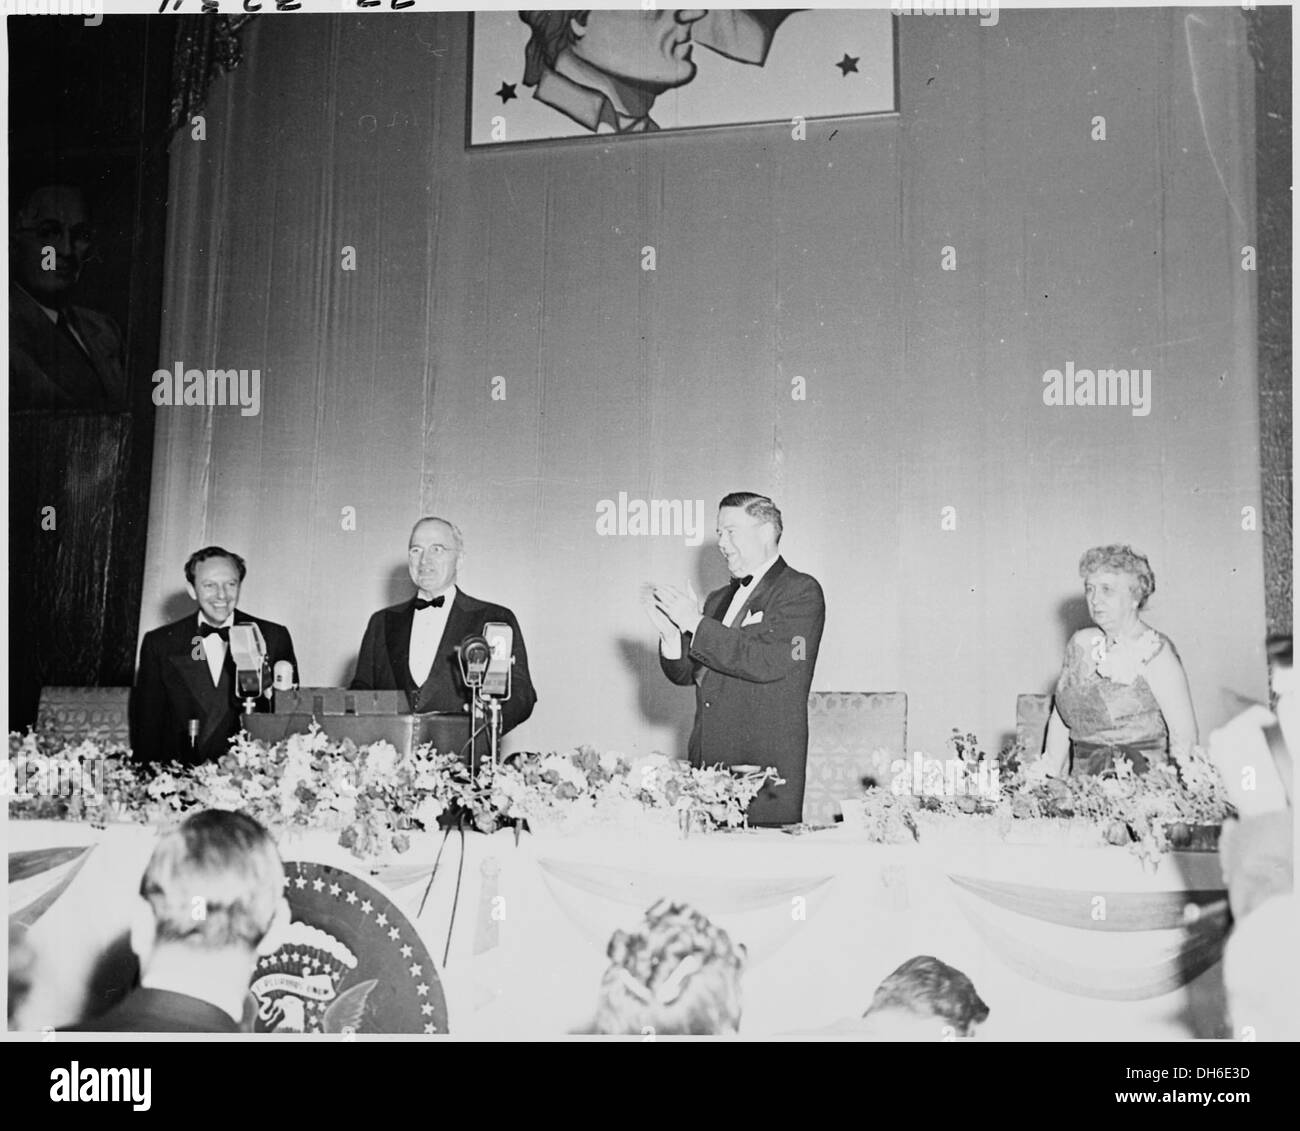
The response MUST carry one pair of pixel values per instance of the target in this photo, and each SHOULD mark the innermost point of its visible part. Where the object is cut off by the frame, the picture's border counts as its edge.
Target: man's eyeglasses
(436, 551)
(47, 231)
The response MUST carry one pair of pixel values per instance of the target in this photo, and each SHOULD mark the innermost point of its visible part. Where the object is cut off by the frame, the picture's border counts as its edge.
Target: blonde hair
(678, 974)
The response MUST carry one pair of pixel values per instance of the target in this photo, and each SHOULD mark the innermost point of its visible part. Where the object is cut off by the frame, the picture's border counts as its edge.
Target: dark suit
(752, 683)
(172, 687)
(49, 369)
(159, 1011)
(383, 663)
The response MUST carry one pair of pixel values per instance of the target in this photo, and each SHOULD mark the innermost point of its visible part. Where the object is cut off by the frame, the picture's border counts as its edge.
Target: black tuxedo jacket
(159, 1011)
(383, 663)
(48, 369)
(172, 687)
(752, 683)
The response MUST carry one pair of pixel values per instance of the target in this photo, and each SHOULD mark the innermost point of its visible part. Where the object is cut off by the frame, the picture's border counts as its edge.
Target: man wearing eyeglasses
(60, 355)
(411, 647)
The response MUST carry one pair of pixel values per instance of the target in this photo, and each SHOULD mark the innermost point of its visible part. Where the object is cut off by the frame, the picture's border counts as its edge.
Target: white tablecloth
(824, 916)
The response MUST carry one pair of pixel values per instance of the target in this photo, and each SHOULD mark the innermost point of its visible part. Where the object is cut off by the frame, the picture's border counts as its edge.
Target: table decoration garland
(1178, 804)
(373, 797)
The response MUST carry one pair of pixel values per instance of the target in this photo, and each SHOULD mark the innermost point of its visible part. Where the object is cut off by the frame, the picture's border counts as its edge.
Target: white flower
(86, 751)
(226, 797)
(380, 763)
(510, 785)
(1123, 662)
(428, 812)
(1034, 774)
(609, 761)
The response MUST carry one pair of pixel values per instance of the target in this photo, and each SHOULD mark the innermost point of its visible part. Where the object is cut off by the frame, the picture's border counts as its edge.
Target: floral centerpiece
(370, 795)
(1167, 807)
(587, 789)
(91, 779)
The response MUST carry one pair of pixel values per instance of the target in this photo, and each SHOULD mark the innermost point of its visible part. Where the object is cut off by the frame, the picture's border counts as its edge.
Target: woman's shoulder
(1157, 648)
(1086, 637)
(1084, 643)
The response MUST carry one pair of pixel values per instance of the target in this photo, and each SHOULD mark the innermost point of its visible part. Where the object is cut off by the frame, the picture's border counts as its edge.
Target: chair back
(1032, 713)
(86, 712)
(844, 727)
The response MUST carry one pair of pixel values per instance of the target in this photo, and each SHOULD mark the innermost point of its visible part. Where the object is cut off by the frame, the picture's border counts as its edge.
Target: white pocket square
(753, 618)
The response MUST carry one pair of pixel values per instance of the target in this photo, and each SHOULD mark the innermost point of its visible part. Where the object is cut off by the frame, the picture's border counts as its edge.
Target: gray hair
(1121, 559)
(460, 539)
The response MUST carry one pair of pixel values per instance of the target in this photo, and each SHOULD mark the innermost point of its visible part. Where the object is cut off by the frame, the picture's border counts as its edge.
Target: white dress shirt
(215, 647)
(742, 594)
(426, 634)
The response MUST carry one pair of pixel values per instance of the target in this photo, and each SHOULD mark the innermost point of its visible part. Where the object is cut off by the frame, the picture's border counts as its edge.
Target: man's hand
(663, 623)
(682, 608)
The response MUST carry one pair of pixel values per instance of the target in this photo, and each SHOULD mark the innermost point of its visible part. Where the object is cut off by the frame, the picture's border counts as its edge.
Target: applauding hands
(672, 611)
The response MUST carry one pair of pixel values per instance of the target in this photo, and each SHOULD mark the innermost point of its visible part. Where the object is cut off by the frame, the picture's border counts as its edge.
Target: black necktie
(206, 629)
(432, 603)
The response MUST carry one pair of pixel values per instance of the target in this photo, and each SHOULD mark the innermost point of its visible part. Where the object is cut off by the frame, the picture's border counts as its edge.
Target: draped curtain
(474, 334)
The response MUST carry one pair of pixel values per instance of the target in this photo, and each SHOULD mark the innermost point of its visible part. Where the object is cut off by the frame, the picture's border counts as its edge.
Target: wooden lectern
(363, 716)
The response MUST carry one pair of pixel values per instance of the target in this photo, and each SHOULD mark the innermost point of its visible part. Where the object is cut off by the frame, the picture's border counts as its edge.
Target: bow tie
(743, 581)
(206, 629)
(432, 603)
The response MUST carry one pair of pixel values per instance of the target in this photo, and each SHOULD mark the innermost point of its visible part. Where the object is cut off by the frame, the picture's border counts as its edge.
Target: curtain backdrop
(775, 259)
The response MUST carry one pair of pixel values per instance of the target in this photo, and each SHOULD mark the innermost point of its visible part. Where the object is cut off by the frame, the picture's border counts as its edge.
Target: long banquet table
(1062, 942)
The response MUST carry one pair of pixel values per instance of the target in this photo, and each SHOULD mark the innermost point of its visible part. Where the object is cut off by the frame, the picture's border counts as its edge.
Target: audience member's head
(212, 893)
(924, 1000)
(677, 974)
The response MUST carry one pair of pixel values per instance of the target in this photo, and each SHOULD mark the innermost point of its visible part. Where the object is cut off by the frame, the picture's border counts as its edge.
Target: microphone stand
(486, 708)
(494, 729)
(476, 719)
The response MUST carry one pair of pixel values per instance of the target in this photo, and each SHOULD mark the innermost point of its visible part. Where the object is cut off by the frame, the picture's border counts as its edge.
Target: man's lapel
(760, 591)
(460, 623)
(62, 361)
(398, 635)
(715, 604)
(212, 699)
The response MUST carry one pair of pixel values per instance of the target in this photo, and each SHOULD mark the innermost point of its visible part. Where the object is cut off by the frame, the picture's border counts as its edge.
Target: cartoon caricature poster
(559, 74)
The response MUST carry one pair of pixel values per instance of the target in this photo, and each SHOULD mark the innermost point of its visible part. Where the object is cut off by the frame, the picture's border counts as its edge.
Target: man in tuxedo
(60, 355)
(750, 652)
(411, 647)
(187, 675)
(211, 903)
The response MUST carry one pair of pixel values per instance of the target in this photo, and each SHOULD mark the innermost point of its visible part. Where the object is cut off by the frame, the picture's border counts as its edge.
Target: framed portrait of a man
(542, 75)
